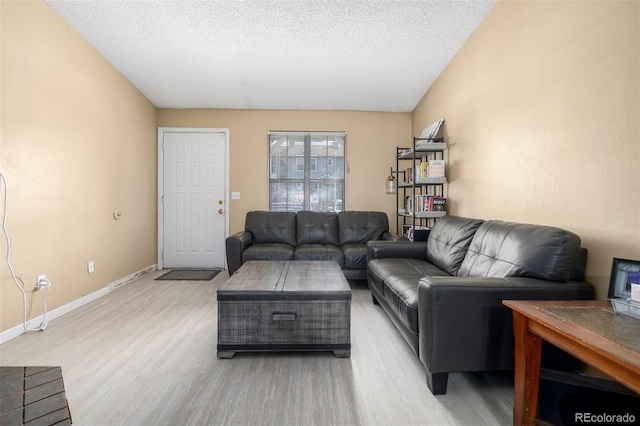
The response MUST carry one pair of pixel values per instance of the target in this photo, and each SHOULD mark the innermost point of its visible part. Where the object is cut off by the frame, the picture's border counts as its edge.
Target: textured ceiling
(374, 55)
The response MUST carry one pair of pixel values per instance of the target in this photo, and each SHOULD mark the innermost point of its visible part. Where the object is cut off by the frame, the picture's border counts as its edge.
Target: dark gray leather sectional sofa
(445, 295)
(309, 235)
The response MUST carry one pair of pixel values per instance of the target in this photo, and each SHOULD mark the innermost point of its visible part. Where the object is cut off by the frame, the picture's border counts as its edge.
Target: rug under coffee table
(285, 306)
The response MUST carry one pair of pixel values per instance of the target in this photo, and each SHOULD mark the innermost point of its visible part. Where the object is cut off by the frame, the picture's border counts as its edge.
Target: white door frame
(161, 132)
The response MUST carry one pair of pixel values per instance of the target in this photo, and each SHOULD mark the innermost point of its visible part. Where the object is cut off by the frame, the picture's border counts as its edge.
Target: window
(307, 171)
(272, 168)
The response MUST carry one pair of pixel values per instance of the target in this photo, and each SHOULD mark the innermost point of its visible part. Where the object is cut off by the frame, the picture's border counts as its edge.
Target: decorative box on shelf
(624, 287)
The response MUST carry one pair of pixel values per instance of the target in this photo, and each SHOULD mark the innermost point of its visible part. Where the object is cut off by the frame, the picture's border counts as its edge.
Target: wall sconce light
(391, 183)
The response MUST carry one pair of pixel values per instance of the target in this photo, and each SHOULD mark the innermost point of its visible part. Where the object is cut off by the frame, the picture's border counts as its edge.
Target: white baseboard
(18, 330)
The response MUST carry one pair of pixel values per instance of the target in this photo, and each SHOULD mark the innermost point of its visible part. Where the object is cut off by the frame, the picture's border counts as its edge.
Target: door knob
(220, 211)
(220, 202)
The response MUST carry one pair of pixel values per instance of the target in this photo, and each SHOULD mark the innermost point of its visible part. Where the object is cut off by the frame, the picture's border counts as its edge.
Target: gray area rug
(189, 275)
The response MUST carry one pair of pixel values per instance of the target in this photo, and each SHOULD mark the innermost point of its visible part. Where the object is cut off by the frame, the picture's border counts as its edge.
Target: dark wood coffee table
(285, 306)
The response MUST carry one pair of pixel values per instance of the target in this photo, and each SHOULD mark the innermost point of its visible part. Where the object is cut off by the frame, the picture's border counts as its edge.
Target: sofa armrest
(403, 249)
(388, 236)
(236, 244)
(463, 325)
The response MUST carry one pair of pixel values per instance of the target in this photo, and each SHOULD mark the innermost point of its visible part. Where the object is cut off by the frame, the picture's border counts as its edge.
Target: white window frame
(328, 187)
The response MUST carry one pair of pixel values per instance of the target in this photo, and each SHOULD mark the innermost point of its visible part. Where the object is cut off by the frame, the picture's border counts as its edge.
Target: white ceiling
(362, 55)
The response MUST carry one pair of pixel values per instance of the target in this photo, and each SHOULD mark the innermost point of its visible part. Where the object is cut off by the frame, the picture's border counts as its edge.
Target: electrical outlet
(42, 282)
(90, 268)
(235, 195)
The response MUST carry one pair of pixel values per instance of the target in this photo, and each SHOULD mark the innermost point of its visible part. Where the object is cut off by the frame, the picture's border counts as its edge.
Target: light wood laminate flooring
(145, 354)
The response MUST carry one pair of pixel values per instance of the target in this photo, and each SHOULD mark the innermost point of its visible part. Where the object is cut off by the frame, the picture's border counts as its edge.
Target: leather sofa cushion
(317, 228)
(319, 252)
(399, 279)
(355, 256)
(272, 251)
(505, 249)
(271, 227)
(383, 268)
(449, 240)
(357, 227)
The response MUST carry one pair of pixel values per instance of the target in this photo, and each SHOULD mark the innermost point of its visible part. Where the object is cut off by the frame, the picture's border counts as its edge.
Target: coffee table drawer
(284, 322)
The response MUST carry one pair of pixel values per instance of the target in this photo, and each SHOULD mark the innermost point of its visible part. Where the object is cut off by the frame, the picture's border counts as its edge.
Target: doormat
(189, 275)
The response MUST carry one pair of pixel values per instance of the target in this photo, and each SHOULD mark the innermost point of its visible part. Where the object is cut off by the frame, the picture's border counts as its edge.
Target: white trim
(18, 330)
(161, 132)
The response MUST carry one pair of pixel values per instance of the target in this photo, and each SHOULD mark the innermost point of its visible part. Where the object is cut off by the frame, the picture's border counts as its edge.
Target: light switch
(235, 195)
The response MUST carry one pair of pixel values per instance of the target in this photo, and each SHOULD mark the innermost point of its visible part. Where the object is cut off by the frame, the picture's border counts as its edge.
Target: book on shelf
(408, 175)
(424, 169)
(424, 203)
(431, 131)
(405, 152)
(438, 204)
(436, 168)
(409, 231)
(408, 204)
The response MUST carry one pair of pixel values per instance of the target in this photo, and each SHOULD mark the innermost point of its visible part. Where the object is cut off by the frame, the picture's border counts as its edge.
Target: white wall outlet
(235, 195)
(90, 267)
(42, 282)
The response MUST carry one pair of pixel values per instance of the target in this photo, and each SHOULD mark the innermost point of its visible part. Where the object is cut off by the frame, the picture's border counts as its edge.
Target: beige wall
(542, 116)
(78, 141)
(371, 141)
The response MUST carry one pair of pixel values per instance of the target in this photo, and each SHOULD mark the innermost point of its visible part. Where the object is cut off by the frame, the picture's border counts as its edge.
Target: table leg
(527, 349)
(342, 353)
(226, 354)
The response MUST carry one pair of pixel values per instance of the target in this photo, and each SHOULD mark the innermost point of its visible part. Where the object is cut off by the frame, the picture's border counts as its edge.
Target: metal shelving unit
(415, 215)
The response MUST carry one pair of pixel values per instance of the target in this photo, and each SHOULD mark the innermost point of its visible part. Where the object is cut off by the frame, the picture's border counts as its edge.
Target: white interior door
(193, 198)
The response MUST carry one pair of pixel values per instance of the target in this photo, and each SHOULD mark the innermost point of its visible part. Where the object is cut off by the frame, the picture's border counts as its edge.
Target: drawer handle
(283, 317)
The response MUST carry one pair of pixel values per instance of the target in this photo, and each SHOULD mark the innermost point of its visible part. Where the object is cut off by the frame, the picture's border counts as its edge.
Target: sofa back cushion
(358, 227)
(505, 249)
(449, 240)
(317, 228)
(577, 274)
(271, 227)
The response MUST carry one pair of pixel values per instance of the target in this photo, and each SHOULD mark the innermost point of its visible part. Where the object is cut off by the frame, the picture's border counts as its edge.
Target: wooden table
(33, 396)
(285, 306)
(589, 330)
